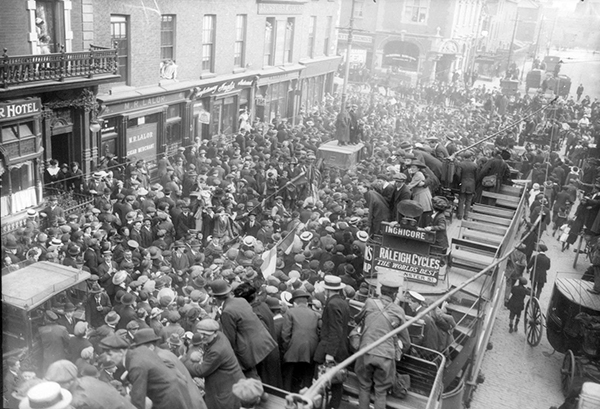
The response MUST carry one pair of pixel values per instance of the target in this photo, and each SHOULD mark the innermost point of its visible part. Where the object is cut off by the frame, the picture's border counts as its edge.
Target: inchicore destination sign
(398, 231)
(415, 267)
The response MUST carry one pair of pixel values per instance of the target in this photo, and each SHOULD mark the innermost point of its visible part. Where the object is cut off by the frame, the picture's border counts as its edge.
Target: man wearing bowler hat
(249, 338)
(376, 369)
(333, 345)
(300, 338)
(148, 375)
(218, 366)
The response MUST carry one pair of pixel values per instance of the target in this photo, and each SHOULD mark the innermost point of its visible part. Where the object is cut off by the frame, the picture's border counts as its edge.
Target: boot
(510, 328)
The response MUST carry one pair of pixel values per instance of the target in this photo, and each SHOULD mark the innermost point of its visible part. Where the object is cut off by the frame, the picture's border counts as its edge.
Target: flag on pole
(288, 242)
(269, 262)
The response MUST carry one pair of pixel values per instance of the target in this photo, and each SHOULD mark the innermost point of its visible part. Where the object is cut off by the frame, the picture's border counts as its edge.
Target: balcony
(23, 74)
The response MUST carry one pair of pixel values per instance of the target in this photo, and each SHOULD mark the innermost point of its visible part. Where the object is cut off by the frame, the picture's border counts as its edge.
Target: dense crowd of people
(233, 260)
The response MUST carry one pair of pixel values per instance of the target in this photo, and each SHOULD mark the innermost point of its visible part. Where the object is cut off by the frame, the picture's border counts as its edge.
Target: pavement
(516, 374)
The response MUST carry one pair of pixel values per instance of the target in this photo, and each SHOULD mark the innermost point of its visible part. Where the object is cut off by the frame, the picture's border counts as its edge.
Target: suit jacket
(220, 370)
(379, 210)
(174, 363)
(300, 334)
(149, 377)
(438, 225)
(467, 173)
(249, 338)
(399, 195)
(70, 326)
(94, 317)
(55, 343)
(334, 330)
(92, 393)
(251, 230)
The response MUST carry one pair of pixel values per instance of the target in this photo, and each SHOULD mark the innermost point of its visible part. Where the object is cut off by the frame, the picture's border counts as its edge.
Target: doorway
(61, 148)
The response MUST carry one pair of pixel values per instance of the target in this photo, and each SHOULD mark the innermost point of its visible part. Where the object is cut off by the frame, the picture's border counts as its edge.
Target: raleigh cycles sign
(415, 267)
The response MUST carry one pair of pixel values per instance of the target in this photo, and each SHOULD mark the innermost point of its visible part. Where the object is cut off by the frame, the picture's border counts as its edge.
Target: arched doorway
(401, 55)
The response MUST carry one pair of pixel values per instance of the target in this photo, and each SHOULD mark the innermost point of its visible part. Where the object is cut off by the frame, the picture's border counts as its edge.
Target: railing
(23, 69)
(72, 203)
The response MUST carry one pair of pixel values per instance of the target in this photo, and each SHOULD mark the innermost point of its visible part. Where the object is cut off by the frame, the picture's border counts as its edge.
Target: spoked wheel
(534, 321)
(567, 372)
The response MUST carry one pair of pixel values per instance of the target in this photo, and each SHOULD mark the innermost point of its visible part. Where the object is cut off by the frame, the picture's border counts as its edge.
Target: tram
(470, 280)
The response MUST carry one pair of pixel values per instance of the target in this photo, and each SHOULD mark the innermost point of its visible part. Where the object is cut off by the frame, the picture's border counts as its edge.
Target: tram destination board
(398, 231)
(415, 267)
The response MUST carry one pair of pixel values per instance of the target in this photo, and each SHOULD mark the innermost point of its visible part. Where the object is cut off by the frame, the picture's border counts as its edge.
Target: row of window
(415, 11)
(272, 55)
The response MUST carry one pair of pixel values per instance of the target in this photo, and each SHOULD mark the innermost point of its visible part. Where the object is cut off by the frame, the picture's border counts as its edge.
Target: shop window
(119, 32)
(416, 11)
(208, 42)
(312, 32)
(270, 35)
(239, 52)
(224, 115)
(108, 138)
(289, 40)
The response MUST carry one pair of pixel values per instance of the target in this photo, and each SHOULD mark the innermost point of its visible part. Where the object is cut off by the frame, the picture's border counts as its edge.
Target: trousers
(377, 372)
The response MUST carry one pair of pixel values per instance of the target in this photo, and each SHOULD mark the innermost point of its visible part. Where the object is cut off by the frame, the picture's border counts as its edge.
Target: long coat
(300, 334)
(220, 370)
(55, 343)
(334, 330)
(173, 362)
(379, 210)
(249, 338)
(149, 377)
(439, 225)
(467, 173)
(342, 126)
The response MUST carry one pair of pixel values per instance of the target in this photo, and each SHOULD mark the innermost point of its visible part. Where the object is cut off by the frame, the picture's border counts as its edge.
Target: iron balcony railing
(28, 69)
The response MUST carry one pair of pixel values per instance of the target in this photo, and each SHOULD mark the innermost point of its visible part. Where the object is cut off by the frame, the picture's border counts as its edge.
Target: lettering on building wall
(279, 8)
(19, 109)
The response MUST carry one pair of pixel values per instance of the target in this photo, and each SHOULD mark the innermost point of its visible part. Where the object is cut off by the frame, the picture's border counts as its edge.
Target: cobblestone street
(517, 375)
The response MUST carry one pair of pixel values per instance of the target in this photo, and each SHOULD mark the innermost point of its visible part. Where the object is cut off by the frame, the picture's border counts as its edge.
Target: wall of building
(14, 27)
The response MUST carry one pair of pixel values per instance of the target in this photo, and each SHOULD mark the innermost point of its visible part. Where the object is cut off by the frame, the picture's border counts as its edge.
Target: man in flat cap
(148, 375)
(219, 366)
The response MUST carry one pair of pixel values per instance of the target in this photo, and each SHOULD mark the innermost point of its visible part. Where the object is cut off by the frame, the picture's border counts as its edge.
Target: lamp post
(348, 51)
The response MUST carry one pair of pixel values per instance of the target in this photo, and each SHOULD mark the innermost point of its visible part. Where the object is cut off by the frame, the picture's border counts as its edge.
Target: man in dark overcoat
(299, 342)
(466, 172)
(379, 210)
(333, 344)
(55, 340)
(148, 376)
(219, 366)
(249, 338)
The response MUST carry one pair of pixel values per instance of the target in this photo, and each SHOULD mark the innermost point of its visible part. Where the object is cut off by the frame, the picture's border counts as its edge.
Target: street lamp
(95, 126)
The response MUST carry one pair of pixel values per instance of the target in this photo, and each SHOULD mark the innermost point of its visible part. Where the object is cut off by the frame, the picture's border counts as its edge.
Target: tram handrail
(309, 396)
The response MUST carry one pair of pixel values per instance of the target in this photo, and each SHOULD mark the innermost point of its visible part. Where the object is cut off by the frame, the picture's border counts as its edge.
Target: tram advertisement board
(415, 267)
(141, 141)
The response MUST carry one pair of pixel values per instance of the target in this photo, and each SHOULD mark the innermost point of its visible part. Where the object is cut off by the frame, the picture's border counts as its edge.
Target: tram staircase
(475, 247)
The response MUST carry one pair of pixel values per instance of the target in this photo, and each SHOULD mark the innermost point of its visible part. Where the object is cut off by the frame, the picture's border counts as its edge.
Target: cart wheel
(533, 322)
(567, 372)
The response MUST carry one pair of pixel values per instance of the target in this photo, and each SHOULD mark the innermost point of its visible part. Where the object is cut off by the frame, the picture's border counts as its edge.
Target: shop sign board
(141, 141)
(148, 102)
(356, 38)
(20, 109)
(415, 267)
(223, 88)
(280, 7)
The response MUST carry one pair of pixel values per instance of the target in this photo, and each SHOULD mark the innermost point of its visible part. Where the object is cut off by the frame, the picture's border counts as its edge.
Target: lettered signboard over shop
(141, 141)
(20, 109)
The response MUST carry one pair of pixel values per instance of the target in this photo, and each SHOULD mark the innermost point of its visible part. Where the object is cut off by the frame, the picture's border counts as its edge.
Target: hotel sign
(20, 109)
